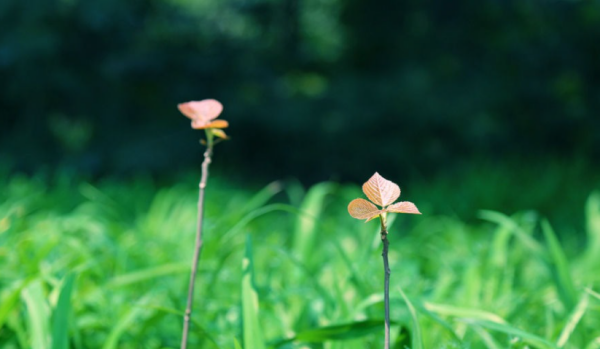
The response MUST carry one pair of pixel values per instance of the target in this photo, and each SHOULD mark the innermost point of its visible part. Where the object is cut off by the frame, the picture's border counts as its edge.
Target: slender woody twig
(198, 248)
(386, 268)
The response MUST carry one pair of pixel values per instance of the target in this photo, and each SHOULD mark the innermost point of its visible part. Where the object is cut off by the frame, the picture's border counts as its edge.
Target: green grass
(106, 265)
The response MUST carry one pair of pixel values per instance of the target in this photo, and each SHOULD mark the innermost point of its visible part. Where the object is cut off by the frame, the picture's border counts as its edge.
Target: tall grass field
(105, 264)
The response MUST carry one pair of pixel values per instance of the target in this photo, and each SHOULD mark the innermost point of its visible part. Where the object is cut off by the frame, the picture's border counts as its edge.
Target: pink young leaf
(204, 110)
(403, 207)
(381, 191)
(362, 209)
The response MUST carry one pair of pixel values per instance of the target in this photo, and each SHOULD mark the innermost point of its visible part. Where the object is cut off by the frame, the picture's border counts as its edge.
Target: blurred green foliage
(106, 265)
(308, 85)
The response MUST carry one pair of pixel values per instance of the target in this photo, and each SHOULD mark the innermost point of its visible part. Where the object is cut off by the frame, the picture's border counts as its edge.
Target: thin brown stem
(386, 297)
(198, 248)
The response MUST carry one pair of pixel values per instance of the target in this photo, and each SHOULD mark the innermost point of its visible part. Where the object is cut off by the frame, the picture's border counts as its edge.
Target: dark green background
(313, 89)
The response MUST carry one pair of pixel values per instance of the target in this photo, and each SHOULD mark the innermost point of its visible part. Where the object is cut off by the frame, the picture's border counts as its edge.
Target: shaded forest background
(312, 89)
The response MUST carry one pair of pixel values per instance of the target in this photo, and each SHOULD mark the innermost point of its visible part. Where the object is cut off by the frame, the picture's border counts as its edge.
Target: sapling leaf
(381, 191)
(205, 110)
(363, 209)
(218, 132)
(403, 207)
(202, 113)
(201, 124)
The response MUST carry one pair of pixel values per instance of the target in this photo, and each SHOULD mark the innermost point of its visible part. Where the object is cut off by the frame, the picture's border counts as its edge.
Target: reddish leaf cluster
(382, 193)
(203, 114)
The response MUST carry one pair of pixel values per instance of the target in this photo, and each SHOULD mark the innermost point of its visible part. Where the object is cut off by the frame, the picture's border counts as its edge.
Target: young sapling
(382, 193)
(203, 114)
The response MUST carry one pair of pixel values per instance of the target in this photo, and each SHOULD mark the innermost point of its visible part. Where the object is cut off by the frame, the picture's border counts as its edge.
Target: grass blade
(486, 337)
(441, 322)
(350, 330)
(560, 267)
(354, 276)
(60, 315)
(417, 339)
(504, 220)
(38, 315)
(336, 332)
(573, 320)
(532, 339)
(147, 274)
(592, 213)
(592, 293)
(262, 197)
(305, 230)
(255, 214)
(251, 322)
(124, 323)
(8, 301)
(594, 344)
(463, 312)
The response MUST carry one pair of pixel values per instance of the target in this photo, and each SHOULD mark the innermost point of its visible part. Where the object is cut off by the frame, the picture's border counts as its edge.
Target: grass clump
(102, 265)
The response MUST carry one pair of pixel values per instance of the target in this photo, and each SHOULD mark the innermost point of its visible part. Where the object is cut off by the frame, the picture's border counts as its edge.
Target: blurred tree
(430, 84)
